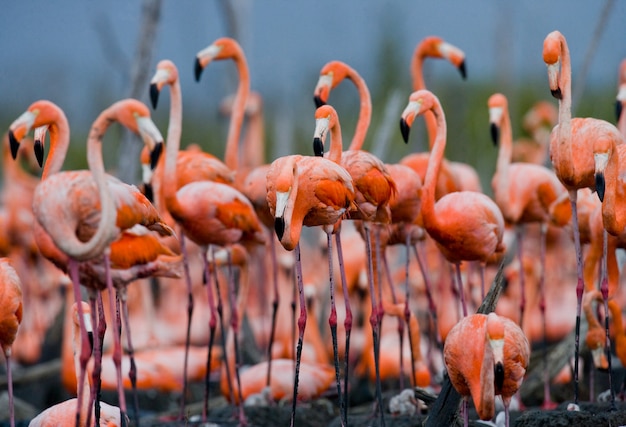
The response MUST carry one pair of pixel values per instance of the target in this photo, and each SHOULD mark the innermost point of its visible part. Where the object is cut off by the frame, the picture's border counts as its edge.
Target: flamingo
(402, 206)
(571, 153)
(374, 189)
(454, 176)
(486, 355)
(249, 182)
(309, 191)
(61, 413)
(209, 213)
(191, 166)
(466, 225)
(524, 193)
(77, 245)
(10, 319)
(596, 335)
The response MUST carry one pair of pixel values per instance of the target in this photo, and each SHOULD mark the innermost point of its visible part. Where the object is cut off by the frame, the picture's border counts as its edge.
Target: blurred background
(84, 55)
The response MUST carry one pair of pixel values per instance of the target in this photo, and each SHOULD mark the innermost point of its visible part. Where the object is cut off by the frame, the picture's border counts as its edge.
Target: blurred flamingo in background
(538, 123)
(571, 153)
(486, 355)
(467, 225)
(10, 319)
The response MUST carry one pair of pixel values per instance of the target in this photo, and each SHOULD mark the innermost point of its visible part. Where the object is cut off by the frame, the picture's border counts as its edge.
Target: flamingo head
(166, 73)
(333, 73)
(222, 48)
(325, 119)
(497, 104)
(419, 102)
(436, 47)
(40, 113)
(552, 58)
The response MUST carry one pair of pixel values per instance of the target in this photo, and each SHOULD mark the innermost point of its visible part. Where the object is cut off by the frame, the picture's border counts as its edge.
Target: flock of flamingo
(416, 240)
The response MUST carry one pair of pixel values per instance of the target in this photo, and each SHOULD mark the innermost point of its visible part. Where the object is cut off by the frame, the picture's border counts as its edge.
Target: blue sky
(65, 50)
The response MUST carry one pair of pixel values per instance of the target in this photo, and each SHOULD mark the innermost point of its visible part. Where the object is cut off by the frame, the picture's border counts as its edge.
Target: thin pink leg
(117, 347)
(301, 327)
(212, 326)
(547, 401)
(580, 286)
(275, 304)
(7, 355)
(459, 281)
(85, 349)
(190, 306)
(604, 289)
(347, 325)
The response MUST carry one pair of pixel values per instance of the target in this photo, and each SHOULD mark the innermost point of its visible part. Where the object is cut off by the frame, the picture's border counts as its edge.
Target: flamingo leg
(604, 289)
(301, 327)
(429, 296)
(580, 286)
(347, 325)
(400, 320)
(85, 350)
(190, 307)
(519, 233)
(132, 372)
(234, 324)
(374, 322)
(212, 326)
(97, 319)
(117, 347)
(460, 288)
(547, 401)
(332, 322)
(275, 304)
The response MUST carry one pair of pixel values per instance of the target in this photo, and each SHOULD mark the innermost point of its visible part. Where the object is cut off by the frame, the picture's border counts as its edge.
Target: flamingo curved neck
(365, 111)
(336, 142)
(505, 154)
(434, 165)
(417, 71)
(612, 216)
(59, 131)
(564, 136)
(231, 155)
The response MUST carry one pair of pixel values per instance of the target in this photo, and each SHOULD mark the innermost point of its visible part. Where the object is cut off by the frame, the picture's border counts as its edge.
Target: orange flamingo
(253, 140)
(62, 413)
(453, 176)
(309, 191)
(209, 213)
(524, 193)
(486, 356)
(374, 189)
(191, 166)
(249, 182)
(402, 206)
(10, 319)
(467, 225)
(571, 152)
(96, 198)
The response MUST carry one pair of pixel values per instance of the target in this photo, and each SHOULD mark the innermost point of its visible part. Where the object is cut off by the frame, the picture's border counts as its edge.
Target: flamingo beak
(154, 95)
(462, 70)
(495, 134)
(155, 154)
(405, 129)
(318, 147)
(600, 360)
(553, 80)
(15, 144)
(203, 58)
(618, 109)
(198, 69)
(318, 101)
(39, 151)
(322, 89)
(600, 160)
(279, 227)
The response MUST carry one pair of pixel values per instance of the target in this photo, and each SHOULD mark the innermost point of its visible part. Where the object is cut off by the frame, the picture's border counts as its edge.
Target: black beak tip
(556, 93)
(279, 227)
(198, 69)
(15, 144)
(619, 109)
(495, 133)
(154, 95)
(462, 70)
(318, 101)
(156, 154)
(600, 186)
(318, 147)
(90, 337)
(499, 375)
(38, 148)
(148, 192)
(405, 129)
